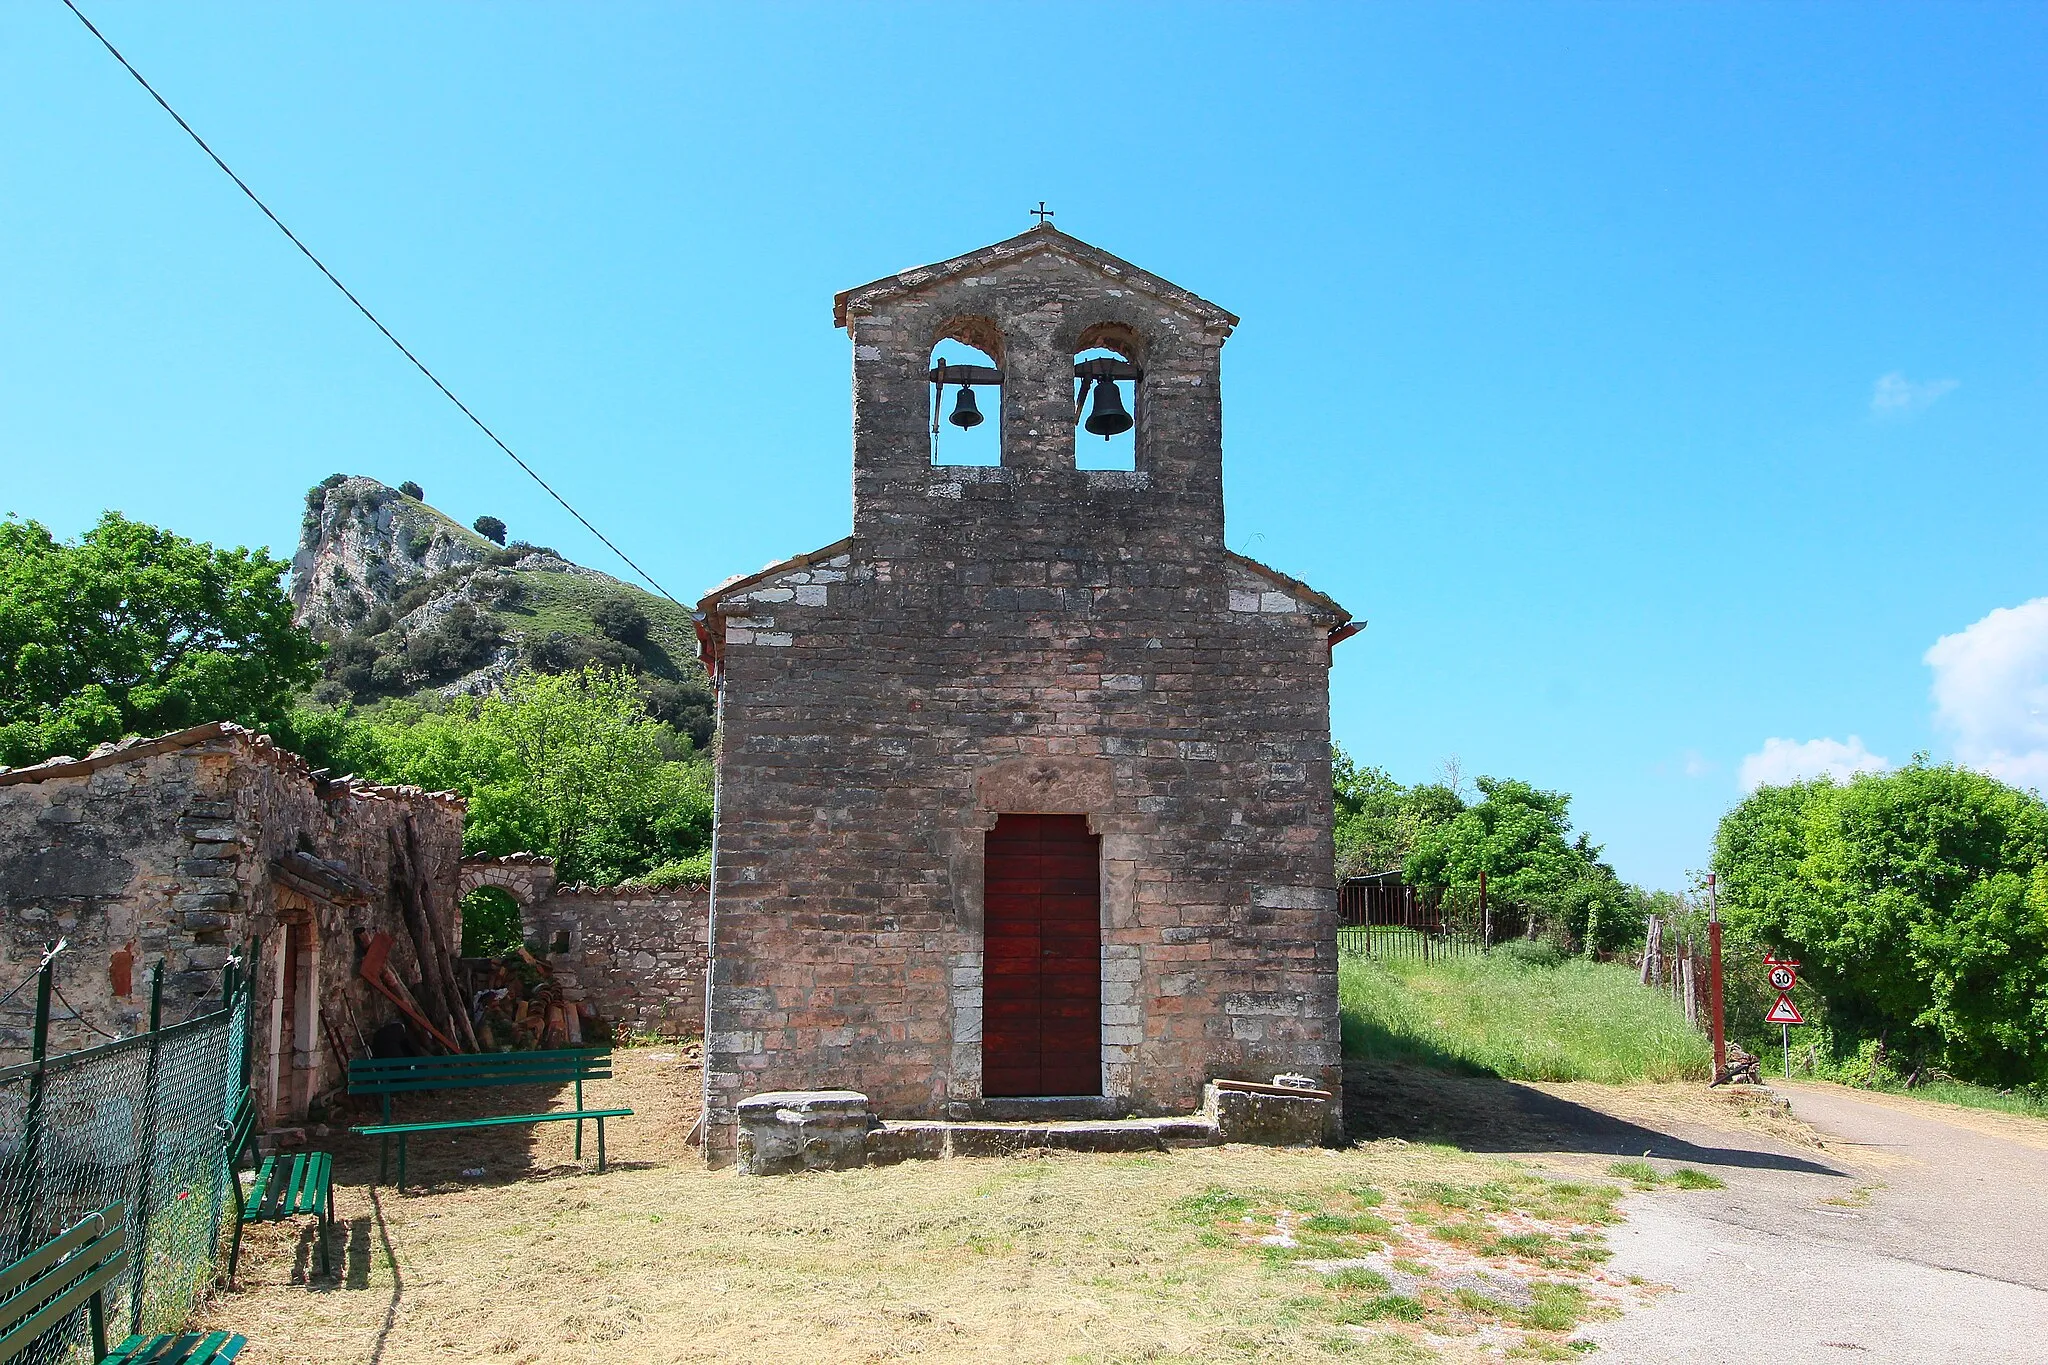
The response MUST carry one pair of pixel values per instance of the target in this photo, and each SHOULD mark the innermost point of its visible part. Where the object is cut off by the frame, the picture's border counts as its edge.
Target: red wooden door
(1041, 1030)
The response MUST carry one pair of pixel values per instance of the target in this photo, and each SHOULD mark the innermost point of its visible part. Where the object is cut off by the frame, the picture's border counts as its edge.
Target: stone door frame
(1047, 786)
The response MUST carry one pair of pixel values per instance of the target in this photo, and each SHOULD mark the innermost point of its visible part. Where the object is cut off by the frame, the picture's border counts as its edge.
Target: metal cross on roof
(1042, 211)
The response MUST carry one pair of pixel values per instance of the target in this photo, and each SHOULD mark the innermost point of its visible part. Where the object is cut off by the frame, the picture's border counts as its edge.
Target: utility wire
(304, 250)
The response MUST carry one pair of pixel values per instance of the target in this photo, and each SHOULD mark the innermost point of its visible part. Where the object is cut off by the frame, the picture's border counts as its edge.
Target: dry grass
(1053, 1258)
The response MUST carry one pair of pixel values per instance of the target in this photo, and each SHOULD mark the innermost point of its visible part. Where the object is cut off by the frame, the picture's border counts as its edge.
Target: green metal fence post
(32, 1119)
(145, 1191)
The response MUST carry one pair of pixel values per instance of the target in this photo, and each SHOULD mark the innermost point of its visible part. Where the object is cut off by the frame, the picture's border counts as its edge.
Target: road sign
(1784, 1012)
(1783, 977)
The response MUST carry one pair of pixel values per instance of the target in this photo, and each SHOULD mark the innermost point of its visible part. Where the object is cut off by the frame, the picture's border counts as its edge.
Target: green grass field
(1496, 1016)
(2031, 1103)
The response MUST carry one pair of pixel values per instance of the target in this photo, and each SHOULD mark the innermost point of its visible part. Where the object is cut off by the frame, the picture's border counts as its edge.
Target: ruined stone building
(1025, 798)
(634, 955)
(180, 850)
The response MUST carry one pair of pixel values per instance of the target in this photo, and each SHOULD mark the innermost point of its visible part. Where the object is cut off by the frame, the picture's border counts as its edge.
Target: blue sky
(1657, 381)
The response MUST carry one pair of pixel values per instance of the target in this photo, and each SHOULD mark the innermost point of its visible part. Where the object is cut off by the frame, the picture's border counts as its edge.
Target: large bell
(965, 414)
(1108, 417)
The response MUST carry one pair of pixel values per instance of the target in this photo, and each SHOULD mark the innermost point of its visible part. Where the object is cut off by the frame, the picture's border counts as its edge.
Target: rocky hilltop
(412, 603)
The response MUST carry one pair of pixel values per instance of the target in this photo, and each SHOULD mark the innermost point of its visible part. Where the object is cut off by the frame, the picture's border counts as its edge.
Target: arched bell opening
(1108, 387)
(965, 384)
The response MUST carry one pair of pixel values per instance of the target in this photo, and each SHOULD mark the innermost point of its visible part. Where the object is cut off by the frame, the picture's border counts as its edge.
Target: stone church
(1024, 787)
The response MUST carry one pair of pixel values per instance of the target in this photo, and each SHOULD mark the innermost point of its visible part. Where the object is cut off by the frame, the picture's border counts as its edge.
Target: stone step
(911, 1139)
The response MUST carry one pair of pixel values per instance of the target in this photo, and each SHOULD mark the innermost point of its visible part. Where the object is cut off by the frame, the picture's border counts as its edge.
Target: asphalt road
(1918, 1234)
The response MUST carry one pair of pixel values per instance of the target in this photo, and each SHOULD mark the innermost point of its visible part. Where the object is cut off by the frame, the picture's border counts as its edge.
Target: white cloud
(1698, 764)
(1991, 692)
(1782, 761)
(1894, 395)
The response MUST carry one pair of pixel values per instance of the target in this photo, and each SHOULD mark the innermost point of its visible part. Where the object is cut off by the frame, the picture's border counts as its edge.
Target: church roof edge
(1044, 237)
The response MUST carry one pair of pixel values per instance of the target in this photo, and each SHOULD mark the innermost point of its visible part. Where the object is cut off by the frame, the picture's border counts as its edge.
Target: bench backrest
(395, 1075)
(49, 1284)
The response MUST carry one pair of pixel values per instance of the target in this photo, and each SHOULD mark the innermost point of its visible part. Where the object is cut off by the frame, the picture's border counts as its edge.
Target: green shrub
(1540, 952)
(491, 924)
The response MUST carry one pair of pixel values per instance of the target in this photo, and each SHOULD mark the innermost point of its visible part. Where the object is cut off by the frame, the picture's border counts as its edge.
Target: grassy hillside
(567, 603)
(1500, 1016)
(414, 606)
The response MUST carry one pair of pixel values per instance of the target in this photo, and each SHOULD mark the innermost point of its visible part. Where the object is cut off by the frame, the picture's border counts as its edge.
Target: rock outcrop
(410, 602)
(362, 544)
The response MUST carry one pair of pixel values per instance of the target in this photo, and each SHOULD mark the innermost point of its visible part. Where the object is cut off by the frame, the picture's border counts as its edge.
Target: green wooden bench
(385, 1077)
(285, 1187)
(39, 1292)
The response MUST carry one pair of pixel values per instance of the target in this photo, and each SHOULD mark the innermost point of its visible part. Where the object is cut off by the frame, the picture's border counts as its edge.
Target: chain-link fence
(141, 1123)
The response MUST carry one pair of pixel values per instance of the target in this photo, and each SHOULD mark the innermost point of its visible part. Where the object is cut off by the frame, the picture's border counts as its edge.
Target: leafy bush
(490, 528)
(513, 553)
(621, 619)
(491, 925)
(1539, 952)
(413, 491)
(570, 765)
(694, 870)
(1917, 901)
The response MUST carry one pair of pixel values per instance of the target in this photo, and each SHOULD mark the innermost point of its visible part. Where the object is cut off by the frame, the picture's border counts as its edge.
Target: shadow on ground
(1487, 1114)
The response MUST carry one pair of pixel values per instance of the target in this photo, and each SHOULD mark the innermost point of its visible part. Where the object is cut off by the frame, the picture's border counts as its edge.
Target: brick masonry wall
(162, 851)
(1025, 638)
(636, 955)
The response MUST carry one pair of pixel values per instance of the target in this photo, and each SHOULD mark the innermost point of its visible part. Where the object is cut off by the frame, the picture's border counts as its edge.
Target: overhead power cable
(346, 293)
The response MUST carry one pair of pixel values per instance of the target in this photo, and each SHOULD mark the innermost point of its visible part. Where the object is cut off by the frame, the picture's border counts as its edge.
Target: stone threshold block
(785, 1131)
(1288, 1113)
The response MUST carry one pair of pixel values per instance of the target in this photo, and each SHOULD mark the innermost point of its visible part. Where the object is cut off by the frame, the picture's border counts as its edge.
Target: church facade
(1024, 787)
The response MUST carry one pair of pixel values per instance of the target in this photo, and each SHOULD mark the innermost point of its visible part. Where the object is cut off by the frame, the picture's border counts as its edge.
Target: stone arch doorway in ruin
(528, 878)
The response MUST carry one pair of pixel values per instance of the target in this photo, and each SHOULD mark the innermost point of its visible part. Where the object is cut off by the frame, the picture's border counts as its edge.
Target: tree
(1917, 904)
(570, 765)
(1378, 819)
(490, 528)
(413, 491)
(1518, 836)
(135, 630)
(622, 619)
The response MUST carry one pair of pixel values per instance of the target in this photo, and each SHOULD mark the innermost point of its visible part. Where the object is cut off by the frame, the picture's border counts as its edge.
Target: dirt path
(1923, 1240)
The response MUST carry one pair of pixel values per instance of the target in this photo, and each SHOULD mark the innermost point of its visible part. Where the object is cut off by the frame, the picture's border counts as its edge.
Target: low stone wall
(634, 954)
(638, 955)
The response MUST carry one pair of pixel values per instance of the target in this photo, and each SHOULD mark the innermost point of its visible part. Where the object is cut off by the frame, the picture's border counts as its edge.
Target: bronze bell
(965, 413)
(1108, 417)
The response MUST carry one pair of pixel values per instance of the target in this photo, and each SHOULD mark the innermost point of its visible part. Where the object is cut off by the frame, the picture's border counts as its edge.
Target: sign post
(1784, 975)
(1714, 982)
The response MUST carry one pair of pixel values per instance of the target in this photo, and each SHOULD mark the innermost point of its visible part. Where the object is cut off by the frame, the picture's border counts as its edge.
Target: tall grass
(1497, 1016)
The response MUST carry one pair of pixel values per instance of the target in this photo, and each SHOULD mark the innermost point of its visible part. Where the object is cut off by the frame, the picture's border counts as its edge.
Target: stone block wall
(635, 954)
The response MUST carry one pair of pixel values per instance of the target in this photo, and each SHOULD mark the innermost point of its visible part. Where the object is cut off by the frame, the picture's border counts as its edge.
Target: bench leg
(383, 1156)
(235, 1250)
(401, 1163)
(600, 1146)
(326, 1229)
(579, 1122)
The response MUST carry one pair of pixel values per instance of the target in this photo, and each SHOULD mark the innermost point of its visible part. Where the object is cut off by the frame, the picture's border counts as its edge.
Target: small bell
(1108, 417)
(965, 414)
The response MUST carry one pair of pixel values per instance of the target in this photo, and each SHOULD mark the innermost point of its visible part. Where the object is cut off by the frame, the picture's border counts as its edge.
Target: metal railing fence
(141, 1122)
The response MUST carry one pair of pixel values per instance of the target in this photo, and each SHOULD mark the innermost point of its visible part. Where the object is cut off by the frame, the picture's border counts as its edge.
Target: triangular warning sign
(1784, 1012)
